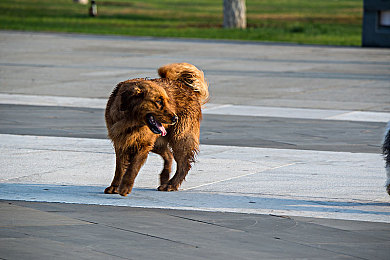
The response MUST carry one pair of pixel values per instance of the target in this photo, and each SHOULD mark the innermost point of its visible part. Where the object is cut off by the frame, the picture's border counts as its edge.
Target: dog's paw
(167, 187)
(124, 190)
(111, 190)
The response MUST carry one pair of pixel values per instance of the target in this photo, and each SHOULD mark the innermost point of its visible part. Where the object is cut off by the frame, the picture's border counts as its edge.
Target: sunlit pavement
(291, 137)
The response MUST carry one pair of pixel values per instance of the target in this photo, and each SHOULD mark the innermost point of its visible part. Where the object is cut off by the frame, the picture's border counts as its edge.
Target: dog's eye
(160, 103)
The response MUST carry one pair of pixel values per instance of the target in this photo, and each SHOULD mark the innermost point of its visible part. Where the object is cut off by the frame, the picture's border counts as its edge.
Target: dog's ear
(128, 97)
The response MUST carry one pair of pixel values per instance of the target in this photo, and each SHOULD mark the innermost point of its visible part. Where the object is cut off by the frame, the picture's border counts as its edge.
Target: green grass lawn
(329, 22)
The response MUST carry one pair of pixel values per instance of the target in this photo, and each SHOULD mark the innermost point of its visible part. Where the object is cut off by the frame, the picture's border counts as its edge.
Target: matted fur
(386, 154)
(185, 72)
(140, 111)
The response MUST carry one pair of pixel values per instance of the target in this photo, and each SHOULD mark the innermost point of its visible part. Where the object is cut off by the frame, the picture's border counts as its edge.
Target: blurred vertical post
(93, 9)
(234, 14)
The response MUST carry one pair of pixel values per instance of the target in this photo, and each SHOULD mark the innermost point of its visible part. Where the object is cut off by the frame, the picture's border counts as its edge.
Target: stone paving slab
(216, 129)
(134, 233)
(241, 73)
(309, 183)
(210, 108)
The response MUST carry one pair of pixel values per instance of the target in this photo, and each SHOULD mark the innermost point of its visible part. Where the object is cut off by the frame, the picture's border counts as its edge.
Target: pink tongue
(162, 129)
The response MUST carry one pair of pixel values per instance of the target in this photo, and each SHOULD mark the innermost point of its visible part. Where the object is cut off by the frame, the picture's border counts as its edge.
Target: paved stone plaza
(289, 167)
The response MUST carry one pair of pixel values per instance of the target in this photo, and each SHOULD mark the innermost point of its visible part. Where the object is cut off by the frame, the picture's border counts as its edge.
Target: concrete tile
(15, 216)
(310, 183)
(123, 231)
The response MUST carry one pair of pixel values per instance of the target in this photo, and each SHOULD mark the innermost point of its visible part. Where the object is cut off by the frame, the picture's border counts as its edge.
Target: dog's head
(149, 104)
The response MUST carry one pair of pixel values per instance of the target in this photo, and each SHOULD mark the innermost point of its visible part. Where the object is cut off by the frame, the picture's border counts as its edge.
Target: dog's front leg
(121, 165)
(136, 160)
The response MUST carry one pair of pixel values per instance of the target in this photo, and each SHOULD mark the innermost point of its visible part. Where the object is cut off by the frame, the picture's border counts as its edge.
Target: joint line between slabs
(338, 115)
(236, 177)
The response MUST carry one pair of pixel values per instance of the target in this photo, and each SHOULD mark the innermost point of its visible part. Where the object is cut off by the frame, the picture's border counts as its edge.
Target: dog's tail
(190, 75)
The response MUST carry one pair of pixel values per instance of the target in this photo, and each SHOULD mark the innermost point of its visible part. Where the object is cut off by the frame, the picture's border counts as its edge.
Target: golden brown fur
(140, 112)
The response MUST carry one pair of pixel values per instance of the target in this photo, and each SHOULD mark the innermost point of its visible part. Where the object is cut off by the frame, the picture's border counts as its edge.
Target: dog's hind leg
(184, 152)
(161, 148)
(121, 165)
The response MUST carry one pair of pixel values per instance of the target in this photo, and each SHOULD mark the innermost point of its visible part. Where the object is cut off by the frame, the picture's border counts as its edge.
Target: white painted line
(16, 99)
(274, 112)
(362, 116)
(302, 113)
(213, 109)
(209, 107)
(321, 184)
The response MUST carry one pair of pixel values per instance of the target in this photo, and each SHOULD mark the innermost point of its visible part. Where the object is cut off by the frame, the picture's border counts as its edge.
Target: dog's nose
(174, 119)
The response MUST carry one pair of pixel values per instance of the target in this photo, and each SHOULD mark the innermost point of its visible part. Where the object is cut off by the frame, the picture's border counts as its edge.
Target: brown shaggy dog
(159, 115)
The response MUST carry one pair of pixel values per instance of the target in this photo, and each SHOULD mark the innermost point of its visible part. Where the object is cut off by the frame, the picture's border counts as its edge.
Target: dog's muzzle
(156, 127)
